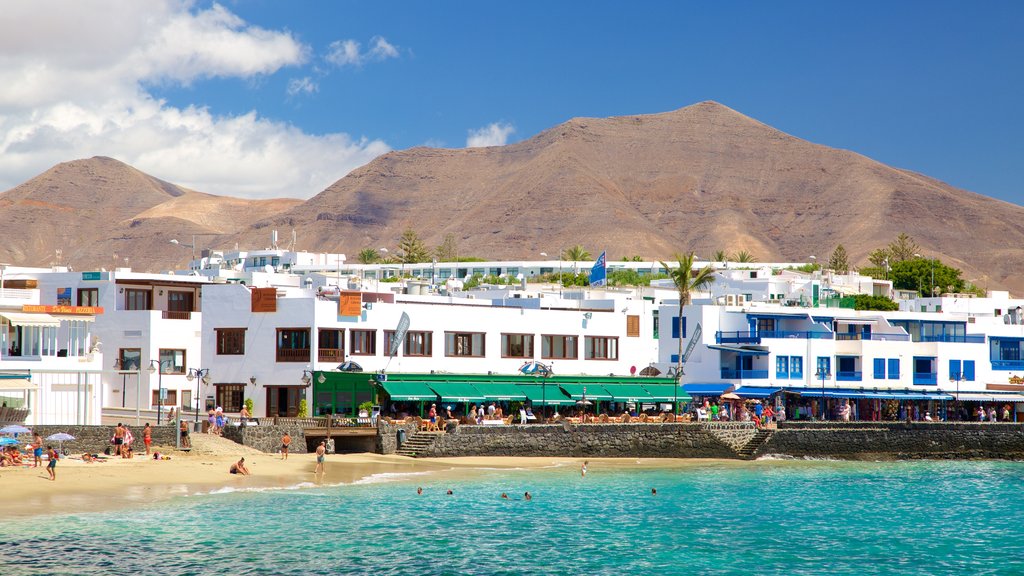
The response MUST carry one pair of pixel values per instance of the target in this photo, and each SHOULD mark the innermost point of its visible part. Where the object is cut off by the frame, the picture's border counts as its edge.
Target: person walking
(51, 467)
(286, 441)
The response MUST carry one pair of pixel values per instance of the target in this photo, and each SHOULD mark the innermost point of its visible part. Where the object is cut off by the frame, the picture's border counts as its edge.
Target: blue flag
(597, 273)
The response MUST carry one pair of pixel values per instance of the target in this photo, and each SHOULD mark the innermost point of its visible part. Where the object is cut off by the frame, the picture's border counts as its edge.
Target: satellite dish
(268, 269)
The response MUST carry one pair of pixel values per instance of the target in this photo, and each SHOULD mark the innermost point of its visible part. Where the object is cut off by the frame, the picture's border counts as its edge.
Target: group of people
(217, 421)
(761, 414)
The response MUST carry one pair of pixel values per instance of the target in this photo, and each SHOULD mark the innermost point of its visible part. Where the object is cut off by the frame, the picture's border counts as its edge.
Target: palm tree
(368, 256)
(687, 281)
(576, 253)
(744, 256)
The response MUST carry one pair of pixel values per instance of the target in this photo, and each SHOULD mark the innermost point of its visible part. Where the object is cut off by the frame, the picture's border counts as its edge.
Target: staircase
(759, 439)
(418, 444)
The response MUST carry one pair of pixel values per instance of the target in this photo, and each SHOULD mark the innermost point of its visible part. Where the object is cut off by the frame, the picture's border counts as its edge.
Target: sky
(262, 98)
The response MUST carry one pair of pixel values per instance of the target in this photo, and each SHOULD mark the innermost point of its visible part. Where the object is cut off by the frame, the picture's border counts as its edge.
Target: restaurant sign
(35, 308)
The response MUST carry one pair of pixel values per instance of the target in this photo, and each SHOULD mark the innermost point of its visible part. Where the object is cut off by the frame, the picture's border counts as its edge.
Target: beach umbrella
(8, 442)
(14, 429)
(60, 437)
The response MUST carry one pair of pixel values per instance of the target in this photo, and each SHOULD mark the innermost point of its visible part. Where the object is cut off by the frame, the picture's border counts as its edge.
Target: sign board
(163, 393)
(264, 300)
(350, 304)
(396, 340)
(92, 275)
(35, 308)
(64, 296)
(598, 274)
(694, 338)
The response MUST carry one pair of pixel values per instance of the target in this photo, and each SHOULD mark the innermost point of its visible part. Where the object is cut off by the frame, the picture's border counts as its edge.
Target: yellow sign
(35, 308)
(1016, 380)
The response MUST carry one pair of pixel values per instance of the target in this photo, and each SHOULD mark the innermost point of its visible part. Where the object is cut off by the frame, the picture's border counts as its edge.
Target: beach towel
(128, 437)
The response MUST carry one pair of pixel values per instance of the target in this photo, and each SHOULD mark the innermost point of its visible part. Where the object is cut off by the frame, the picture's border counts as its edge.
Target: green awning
(627, 393)
(457, 392)
(594, 392)
(546, 395)
(500, 390)
(667, 392)
(408, 391)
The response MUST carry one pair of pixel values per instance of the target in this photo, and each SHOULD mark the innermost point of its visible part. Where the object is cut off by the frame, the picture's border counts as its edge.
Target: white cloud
(79, 83)
(304, 85)
(351, 53)
(494, 134)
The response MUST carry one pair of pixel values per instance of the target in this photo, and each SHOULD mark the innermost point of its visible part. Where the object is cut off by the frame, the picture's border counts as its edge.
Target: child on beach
(51, 468)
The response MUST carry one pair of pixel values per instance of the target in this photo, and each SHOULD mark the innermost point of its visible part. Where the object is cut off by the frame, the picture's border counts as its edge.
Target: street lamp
(956, 377)
(201, 375)
(153, 365)
(824, 374)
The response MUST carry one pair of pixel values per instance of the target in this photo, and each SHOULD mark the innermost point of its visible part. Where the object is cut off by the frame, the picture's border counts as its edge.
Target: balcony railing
(956, 338)
(849, 376)
(293, 354)
(890, 337)
(1008, 364)
(925, 379)
(169, 315)
(800, 334)
(744, 374)
(331, 354)
(737, 337)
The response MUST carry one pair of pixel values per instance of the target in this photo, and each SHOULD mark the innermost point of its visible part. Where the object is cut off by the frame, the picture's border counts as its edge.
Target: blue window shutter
(674, 358)
(954, 369)
(676, 322)
(879, 368)
(782, 367)
(969, 370)
(796, 367)
(894, 368)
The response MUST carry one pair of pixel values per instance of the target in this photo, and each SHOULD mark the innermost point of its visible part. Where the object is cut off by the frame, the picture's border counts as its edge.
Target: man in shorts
(320, 451)
(118, 438)
(37, 449)
(286, 441)
(51, 468)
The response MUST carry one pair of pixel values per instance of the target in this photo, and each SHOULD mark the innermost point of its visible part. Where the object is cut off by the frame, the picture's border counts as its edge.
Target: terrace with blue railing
(730, 374)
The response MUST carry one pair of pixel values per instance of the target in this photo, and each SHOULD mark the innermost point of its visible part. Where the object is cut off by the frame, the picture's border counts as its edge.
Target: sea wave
(255, 489)
(787, 457)
(382, 477)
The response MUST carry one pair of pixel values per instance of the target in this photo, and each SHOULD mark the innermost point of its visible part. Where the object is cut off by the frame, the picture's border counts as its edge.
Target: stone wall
(96, 439)
(268, 438)
(733, 434)
(387, 435)
(897, 441)
(595, 440)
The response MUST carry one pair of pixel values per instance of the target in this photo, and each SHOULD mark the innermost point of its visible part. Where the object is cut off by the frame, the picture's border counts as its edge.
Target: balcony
(331, 354)
(728, 374)
(170, 315)
(926, 378)
(956, 338)
(293, 354)
(1008, 364)
(737, 338)
(851, 376)
(884, 337)
(798, 334)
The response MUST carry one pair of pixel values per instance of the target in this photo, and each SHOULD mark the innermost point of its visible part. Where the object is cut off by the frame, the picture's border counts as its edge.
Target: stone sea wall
(897, 441)
(387, 435)
(96, 439)
(268, 438)
(594, 440)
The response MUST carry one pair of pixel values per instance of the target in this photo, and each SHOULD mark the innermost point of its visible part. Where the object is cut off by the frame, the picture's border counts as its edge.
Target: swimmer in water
(419, 490)
(504, 496)
(527, 497)
(583, 470)
(654, 491)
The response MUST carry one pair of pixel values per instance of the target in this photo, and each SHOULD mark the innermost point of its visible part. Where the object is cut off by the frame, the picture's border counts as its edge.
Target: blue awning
(870, 394)
(755, 391)
(708, 389)
(741, 351)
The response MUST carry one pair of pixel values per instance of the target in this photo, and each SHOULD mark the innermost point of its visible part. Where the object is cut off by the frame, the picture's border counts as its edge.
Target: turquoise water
(720, 518)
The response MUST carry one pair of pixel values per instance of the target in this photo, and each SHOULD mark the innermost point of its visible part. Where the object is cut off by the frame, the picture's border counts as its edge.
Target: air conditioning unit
(730, 299)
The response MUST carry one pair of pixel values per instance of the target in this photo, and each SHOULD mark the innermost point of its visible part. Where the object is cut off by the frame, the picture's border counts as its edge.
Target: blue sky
(933, 87)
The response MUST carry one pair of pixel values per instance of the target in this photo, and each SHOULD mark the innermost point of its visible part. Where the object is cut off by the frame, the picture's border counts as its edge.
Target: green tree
(576, 253)
(368, 256)
(687, 281)
(720, 256)
(867, 302)
(838, 261)
(448, 250)
(411, 248)
(743, 256)
(902, 249)
(918, 273)
(879, 257)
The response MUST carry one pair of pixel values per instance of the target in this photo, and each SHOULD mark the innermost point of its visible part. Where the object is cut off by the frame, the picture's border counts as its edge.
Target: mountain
(701, 178)
(103, 213)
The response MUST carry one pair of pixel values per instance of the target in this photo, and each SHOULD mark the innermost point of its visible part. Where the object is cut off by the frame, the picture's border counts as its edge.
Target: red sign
(264, 300)
(62, 309)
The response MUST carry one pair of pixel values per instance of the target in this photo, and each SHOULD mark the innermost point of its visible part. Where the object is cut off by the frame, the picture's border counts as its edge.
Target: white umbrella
(60, 437)
(14, 429)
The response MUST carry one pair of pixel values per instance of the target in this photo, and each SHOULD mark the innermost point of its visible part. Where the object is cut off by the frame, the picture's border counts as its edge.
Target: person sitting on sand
(239, 468)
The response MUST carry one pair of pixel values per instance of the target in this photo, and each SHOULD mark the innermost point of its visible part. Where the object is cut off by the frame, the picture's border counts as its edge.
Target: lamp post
(201, 376)
(956, 377)
(823, 373)
(153, 366)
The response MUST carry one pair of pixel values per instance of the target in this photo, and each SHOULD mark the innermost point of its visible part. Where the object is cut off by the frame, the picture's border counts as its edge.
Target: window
(136, 299)
(330, 343)
(172, 361)
(961, 369)
(677, 322)
(556, 347)
(129, 358)
(179, 301)
(969, 370)
(955, 369)
(824, 367)
(88, 296)
(633, 326)
(362, 342)
(418, 344)
(894, 368)
(654, 326)
(796, 367)
(765, 325)
(293, 345)
(186, 399)
(879, 368)
(601, 348)
(464, 344)
(170, 400)
(230, 341)
(782, 367)
(517, 345)
(230, 397)
(389, 339)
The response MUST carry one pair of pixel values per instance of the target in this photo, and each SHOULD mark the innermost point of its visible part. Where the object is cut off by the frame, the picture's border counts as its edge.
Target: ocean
(713, 517)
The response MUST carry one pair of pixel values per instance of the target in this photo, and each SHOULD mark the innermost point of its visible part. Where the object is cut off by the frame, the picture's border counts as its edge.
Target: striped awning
(26, 319)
